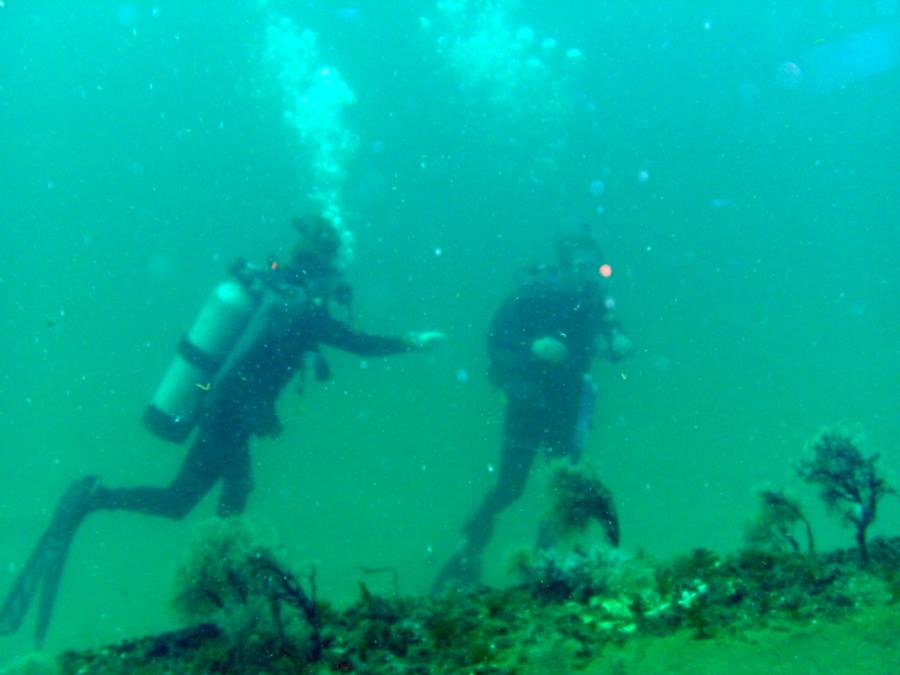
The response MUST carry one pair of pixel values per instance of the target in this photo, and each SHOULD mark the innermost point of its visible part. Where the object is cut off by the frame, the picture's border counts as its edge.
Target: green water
(750, 211)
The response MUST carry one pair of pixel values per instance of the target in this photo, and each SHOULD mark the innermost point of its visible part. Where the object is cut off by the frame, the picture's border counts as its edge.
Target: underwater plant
(849, 483)
(776, 523)
(236, 578)
(576, 498)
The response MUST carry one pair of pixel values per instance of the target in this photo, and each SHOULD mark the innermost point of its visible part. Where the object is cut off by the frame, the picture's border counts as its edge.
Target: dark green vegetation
(849, 483)
(576, 498)
(779, 518)
(237, 580)
(575, 608)
(571, 612)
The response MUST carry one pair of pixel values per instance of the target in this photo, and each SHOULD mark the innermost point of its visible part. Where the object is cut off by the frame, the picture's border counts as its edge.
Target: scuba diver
(540, 347)
(255, 333)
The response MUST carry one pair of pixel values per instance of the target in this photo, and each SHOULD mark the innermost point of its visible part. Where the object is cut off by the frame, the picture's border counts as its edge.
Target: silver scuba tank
(180, 396)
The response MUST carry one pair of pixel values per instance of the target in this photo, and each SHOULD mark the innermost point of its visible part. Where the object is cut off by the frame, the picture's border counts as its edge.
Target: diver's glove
(424, 340)
(549, 349)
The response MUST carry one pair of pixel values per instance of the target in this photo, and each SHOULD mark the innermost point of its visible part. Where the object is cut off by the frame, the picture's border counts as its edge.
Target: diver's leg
(568, 415)
(45, 566)
(200, 470)
(517, 455)
(512, 475)
(237, 481)
(564, 437)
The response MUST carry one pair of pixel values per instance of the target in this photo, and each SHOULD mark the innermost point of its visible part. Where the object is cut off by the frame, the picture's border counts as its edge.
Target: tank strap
(197, 357)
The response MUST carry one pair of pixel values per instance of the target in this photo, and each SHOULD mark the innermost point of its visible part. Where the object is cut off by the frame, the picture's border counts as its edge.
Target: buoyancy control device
(222, 321)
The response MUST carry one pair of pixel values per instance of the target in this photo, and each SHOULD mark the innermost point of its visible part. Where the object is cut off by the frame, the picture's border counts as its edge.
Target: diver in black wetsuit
(241, 405)
(540, 345)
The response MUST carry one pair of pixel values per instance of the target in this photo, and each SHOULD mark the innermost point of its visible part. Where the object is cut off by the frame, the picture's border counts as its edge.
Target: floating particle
(720, 202)
(788, 75)
(597, 188)
(525, 34)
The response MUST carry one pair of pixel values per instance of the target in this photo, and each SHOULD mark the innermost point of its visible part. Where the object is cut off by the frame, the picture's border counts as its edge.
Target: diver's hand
(424, 340)
(549, 349)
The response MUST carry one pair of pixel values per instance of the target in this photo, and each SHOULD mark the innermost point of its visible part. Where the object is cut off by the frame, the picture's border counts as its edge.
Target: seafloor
(594, 611)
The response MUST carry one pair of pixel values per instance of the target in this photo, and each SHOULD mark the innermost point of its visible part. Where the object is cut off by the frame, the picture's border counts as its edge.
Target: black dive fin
(56, 560)
(45, 565)
(19, 599)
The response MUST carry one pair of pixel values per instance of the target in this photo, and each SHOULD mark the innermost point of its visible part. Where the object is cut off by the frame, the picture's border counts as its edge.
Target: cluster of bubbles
(512, 67)
(315, 96)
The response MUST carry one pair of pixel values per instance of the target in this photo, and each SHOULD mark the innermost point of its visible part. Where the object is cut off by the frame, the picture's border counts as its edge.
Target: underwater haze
(739, 163)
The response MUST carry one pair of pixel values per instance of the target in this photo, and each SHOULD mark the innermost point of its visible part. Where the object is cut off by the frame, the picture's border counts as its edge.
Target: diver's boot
(462, 570)
(45, 565)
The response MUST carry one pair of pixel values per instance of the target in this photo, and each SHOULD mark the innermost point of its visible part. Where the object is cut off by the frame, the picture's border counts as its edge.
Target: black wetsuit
(243, 405)
(548, 404)
(543, 398)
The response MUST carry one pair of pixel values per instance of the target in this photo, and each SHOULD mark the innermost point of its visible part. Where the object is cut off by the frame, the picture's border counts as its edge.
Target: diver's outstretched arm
(45, 565)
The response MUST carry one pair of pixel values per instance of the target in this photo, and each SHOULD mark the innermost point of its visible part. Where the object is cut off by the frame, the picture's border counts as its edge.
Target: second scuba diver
(541, 344)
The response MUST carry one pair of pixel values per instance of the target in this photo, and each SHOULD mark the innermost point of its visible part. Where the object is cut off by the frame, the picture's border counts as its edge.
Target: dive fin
(45, 565)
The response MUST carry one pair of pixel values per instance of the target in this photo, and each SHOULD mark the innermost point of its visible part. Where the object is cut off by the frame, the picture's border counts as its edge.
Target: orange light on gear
(273, 265)
(605, 270)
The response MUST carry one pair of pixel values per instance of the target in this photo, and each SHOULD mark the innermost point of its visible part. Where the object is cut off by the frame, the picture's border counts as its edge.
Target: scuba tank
(176, 405)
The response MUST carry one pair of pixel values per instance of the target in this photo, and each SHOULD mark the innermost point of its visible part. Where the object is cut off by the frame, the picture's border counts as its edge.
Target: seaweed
(776, 523)
(577, 497)
(236, 579)
(849, 483)
(614, 597)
